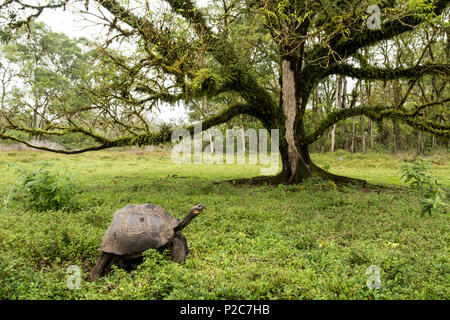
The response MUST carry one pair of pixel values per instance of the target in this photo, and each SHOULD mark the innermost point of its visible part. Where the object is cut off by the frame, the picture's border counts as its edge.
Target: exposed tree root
(283, 178)
(280, 178)
(339, 180)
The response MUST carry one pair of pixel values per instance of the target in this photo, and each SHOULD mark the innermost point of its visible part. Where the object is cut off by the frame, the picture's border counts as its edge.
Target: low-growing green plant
(431, 195)
(46, 188)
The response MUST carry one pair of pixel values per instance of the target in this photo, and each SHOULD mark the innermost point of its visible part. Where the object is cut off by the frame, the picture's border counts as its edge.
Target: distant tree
(44, 71)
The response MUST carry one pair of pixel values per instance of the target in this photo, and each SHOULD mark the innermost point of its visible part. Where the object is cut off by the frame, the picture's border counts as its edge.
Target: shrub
(47, 189)
(431, 195)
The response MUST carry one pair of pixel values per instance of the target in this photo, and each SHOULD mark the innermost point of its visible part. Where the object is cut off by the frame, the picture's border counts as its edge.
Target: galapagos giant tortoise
(137, 228)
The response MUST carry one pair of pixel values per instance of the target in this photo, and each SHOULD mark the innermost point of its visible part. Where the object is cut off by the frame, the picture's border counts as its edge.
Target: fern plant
(46, 188)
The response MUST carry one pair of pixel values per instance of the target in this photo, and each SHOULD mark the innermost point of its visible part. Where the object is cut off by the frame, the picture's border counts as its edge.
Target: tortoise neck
(185, 221)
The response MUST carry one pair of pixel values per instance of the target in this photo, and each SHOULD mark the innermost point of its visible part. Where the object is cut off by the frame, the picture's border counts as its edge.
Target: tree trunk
(333, 134)
(337, 106)
(363, 129)
(352, 147)
(243, 140)
(298, 169)
(421, 143)
(211, 142)
(229, 137)
(344, 132)
(395, 130)
(363, 135)
(371, 134)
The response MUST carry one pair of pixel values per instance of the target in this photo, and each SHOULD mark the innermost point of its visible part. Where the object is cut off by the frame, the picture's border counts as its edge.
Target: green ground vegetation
(309, 241)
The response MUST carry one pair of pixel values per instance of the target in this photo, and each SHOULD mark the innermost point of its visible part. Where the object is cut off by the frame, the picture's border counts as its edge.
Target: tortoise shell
(137, 228)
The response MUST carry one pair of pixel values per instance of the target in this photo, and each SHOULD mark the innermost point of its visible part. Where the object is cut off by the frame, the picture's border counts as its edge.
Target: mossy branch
(147, 139)
(379, 113)
(374, 73)
(387, 31)
(349, 45)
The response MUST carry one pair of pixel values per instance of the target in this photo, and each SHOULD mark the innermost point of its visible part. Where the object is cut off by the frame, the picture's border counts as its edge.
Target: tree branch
(161, 137)
(349, 45)
(388, 30)
(379, 113)
(374, 73)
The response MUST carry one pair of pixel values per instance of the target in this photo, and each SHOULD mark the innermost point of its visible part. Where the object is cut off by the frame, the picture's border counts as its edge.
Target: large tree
(272, 54)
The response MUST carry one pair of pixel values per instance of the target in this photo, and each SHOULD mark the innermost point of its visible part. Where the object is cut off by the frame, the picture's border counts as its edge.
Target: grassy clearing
(311, 241)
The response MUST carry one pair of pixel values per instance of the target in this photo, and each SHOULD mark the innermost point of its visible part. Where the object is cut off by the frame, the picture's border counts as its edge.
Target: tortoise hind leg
(102, 262)
(178, 248)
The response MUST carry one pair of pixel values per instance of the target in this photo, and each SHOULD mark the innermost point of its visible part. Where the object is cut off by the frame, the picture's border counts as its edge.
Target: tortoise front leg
(178, 248)
(103, 261)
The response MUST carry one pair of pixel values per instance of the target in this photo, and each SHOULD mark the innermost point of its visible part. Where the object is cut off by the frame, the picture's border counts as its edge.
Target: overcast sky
(70, 23)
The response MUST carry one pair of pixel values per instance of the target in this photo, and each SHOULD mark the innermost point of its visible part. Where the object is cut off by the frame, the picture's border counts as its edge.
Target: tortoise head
(197, 209)
(193, 212)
